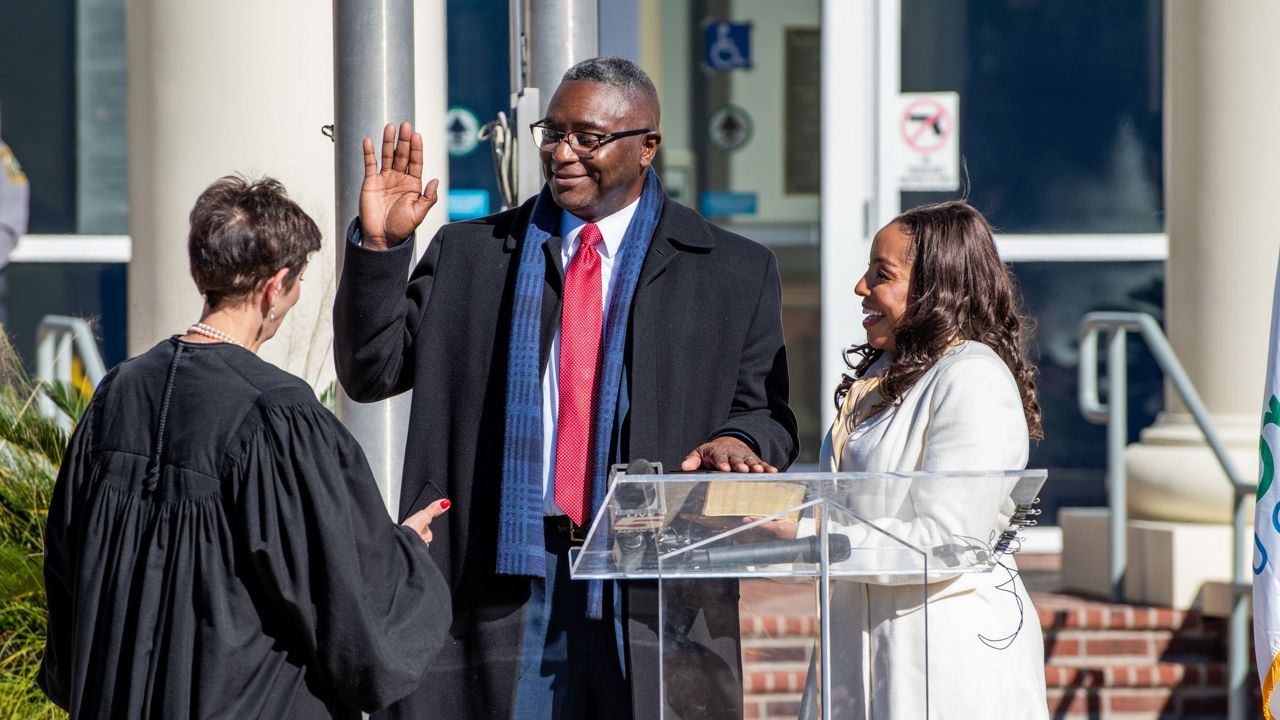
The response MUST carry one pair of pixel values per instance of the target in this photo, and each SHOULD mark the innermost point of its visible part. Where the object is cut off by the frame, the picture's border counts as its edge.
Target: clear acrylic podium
(798, 528)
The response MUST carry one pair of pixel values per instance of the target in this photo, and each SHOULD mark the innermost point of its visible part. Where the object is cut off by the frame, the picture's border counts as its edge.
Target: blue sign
(727, 45)
(719, 202)
(468, 204)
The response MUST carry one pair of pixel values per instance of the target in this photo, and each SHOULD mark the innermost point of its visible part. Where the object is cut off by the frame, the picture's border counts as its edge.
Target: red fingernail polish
(444, 504)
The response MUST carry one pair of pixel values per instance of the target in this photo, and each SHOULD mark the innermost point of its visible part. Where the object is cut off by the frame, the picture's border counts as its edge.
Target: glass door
(1048, 116)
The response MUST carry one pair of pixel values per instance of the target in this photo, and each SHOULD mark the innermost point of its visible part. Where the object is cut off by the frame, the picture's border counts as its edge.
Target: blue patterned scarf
(520, 533)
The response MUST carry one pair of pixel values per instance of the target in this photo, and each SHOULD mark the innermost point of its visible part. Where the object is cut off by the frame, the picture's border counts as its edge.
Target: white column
(848, 195)
(431, 104)
(216, 88)
(1220, 59)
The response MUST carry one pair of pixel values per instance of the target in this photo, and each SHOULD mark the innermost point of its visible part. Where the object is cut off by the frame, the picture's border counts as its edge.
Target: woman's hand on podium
(773, 529)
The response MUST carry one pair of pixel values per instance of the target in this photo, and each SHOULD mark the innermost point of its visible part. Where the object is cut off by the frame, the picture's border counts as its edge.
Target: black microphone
(637, 516)
(800, 550)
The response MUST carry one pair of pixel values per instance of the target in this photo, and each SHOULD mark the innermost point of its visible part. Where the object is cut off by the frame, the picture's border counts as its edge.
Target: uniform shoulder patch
(12, 170)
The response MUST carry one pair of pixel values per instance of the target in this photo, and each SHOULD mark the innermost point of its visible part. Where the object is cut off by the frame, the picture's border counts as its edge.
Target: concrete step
(1137, 703)
(1086, 632)
(1093, 647)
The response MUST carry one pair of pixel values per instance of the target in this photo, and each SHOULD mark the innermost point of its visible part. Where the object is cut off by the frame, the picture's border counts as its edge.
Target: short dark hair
(244, 231)
(960, 290)
(620, 73)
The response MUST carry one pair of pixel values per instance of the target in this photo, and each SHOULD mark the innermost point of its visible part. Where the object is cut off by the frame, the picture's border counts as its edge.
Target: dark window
(1060, 107)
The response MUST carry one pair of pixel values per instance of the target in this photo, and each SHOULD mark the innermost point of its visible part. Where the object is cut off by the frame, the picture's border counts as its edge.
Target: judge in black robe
(217, 548)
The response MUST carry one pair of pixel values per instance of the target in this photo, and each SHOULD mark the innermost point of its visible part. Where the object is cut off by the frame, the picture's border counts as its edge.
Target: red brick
(775, 654)
(1093, 617)
(1081, 677)
(1167, 618)
(783, 709)
(1060, 647)
(763, 682)
(1118, 676)
(1105, 646)
(1051, 618)
(1208, 705)
(1140, 700)
(1171, 675)
(1062, 702)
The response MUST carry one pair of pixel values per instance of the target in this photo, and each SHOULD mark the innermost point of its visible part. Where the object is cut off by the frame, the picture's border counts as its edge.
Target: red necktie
(581, 321)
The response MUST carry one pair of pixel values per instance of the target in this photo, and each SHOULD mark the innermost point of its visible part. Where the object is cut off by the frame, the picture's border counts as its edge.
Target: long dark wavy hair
(959, 290)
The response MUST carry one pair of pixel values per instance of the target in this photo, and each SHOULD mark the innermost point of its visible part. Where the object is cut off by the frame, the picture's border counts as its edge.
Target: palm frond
(31, 450)
(29, 431)
(70, 399)
(329, 397)
(21, 573)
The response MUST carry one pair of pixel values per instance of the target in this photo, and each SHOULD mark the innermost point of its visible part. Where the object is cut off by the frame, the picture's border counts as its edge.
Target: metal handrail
(1118, 324)
(55, 337)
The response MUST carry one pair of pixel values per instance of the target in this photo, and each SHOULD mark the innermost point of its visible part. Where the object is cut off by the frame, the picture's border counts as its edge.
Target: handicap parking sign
(727, 45)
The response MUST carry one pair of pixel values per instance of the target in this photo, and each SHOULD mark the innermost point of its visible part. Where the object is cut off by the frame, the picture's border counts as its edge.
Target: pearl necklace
(210, 331)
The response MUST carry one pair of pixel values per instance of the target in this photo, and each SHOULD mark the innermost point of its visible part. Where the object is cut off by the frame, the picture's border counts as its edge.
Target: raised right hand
(392, 201)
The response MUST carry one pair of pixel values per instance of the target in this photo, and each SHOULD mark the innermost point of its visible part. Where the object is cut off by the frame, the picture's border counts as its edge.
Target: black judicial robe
(217, 548)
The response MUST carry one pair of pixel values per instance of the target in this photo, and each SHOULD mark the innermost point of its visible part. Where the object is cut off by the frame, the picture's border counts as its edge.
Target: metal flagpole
(373, 74)
(547, 38)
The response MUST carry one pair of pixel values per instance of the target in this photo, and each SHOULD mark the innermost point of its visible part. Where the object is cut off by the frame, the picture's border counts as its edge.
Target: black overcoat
(704, 356)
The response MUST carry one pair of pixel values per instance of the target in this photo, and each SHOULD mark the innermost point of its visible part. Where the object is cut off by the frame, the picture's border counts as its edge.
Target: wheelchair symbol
(728, 46)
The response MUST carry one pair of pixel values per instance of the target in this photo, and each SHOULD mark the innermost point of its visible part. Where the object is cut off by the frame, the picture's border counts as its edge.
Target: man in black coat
(690, 370)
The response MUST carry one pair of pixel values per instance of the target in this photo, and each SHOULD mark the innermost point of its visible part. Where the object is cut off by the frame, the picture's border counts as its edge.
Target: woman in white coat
(942, 383)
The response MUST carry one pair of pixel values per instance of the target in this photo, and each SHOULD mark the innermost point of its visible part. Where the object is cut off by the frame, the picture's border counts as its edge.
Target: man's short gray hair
(618, 73)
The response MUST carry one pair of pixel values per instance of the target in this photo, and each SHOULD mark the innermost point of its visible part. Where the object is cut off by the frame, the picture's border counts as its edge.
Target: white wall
(242, 86)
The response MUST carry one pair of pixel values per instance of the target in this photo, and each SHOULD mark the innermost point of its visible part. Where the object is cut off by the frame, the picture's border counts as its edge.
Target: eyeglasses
(584, 144)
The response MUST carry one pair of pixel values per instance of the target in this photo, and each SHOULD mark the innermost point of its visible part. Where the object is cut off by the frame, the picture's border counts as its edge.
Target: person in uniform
(15, 195)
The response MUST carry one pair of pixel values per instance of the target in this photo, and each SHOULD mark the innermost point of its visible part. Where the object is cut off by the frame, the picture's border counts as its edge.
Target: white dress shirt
(612, 229)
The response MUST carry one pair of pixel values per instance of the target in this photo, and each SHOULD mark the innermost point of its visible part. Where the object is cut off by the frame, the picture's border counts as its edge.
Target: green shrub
(31, 449)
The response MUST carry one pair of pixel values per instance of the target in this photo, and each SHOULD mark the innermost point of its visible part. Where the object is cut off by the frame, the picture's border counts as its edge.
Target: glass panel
(62, 110)
(779, 622)
(802, 331)
(102, 169)
(699, 534)
(739, 525)
(1060, 107)
(1058, 294)
(479, 87)
(741, 144)
(95, 292)
(38, 106)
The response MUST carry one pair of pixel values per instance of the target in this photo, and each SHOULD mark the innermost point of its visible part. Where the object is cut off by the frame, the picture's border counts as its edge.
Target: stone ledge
(1168, 562)
(1154, 675)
